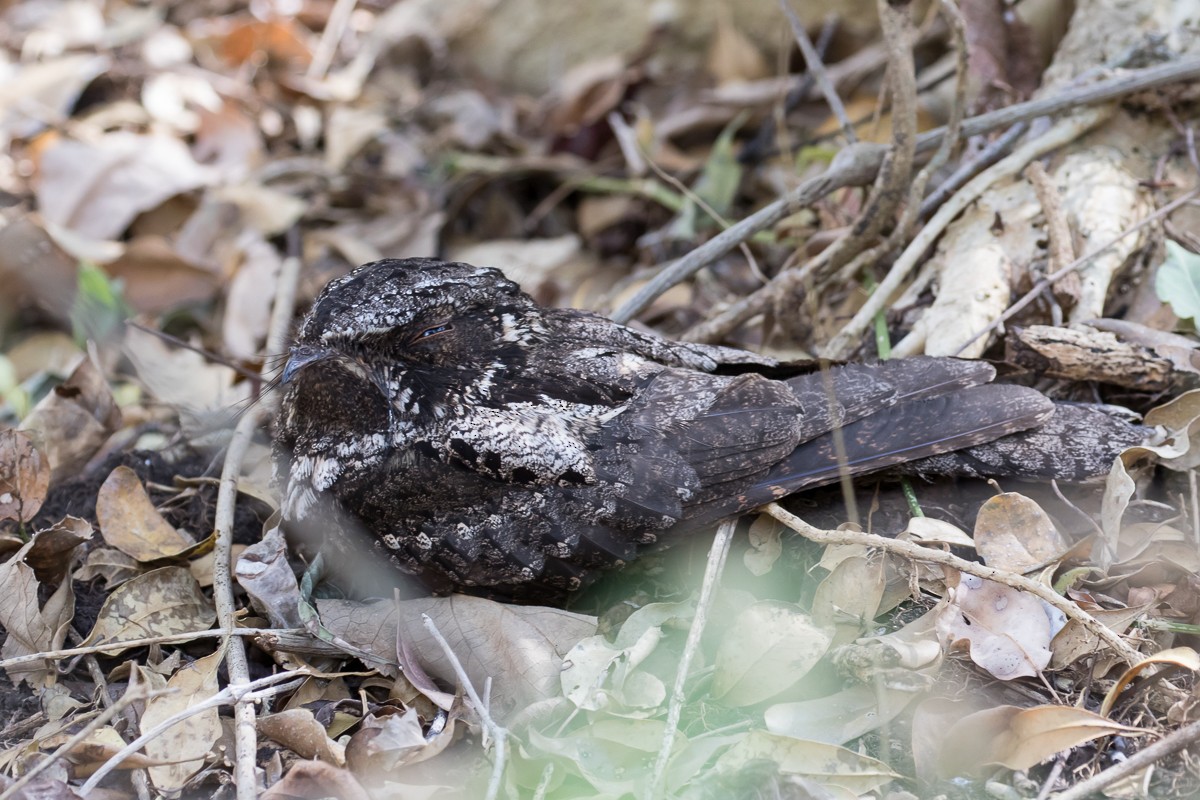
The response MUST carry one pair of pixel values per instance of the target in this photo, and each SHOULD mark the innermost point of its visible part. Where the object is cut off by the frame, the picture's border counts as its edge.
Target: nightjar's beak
(301, 356)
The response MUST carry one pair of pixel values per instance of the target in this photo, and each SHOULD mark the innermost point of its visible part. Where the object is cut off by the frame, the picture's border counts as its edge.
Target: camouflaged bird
(491, 445)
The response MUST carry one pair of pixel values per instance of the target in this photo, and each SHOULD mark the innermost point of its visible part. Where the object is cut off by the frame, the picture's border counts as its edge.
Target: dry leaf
(182, 749)
(1184, 657)
(1013, 533)
(159, 603)
(770, 647)
(298, 730)
(131, 523)
(30, 627)
(74, 420)
(264, 572)
(520, 648)
(54, 548)
(316, 779)
(1006, 630)
(383, 745)
(1019, 738)
(24, 477)
(97, 188)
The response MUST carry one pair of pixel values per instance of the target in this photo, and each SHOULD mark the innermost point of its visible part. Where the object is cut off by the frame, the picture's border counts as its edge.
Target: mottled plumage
(492, 445)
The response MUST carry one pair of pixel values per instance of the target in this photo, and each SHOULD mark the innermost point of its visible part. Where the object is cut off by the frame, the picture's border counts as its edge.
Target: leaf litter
(166, 166)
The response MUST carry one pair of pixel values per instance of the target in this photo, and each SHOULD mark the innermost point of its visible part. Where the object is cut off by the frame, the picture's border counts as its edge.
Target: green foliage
(99, 308)
(1178, 281)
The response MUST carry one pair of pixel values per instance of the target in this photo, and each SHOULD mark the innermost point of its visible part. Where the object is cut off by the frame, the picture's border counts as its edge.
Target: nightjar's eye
(433, 331)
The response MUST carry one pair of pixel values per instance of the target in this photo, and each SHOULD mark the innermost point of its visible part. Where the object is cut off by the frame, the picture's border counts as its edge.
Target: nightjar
(487, 444)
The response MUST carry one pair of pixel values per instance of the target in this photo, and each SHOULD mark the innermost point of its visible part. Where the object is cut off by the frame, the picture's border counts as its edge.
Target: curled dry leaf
(298, 730)
(1013, 533)
(74, 420)
(181, 750)
(31, 627)
(1184, 657)
(842, 716)
(264, 572)
(384, 744)
(159, 603)
(770, 647)
(1019, 738)
(1007, 631)
(131, 523)
(24, 477)
(54, 548)
(766, 545)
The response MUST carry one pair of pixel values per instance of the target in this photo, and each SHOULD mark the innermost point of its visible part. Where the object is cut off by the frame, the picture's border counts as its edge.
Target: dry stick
(133, 693)
(816, 68)
(247, 693)
(712, 575)
(335, 26)
(174, 638)
(916, 552)
(972, 167)
(499, 734)
(245, 732)
(1166, 746)
(1065, 131)
(858, 164)
(1029, 296)
(1058, 231)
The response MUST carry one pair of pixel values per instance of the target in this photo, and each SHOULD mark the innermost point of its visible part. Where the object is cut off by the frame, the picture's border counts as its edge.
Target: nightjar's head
(416, 329)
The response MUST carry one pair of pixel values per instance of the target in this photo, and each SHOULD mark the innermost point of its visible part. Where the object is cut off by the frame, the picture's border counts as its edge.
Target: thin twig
(126, 644)
(245, 731)
(135, 692)
(972, 166)
(1065, 131)
(916, 552)
(816, 68)
(499, 734)
(1166, 746)
(247, 693)
(335, 27)
(712, 576)
(859, 163)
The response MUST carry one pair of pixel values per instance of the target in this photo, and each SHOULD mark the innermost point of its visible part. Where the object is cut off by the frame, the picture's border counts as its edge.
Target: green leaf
(99, 309)
(1178, 281)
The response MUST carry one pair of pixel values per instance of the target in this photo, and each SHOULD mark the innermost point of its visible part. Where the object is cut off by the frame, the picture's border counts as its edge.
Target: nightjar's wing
(864, 418)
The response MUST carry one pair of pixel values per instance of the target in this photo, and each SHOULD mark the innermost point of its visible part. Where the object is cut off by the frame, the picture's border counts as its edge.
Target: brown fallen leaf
(53, 548)
(317, 779)
(298, 730)
(384, 744)
(131, 523)
(31, 626)
(1013, 533)
(161, 602)
(1184, 657)
(74, 420)
(24, 477)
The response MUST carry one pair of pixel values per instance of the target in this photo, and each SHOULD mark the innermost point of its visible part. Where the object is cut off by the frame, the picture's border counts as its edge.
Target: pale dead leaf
(108, 563)
(158, 279)
(131, 523)
(529, 262)
(32, 628)
(98, 747)
(189, 744)
(848, 598)
(24, 477)
(248, 299)
(229, 141)
(840, 717)
(159, 603)
(732, 58)
(520, 647)
(97, 188)
(770, 647)
(268, 211)
(45, 89)
(1075, 641)
(1019, 738)
(74, 420)
(264, 572)
(1006, 630)
(766, 544)
(1013, 533)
